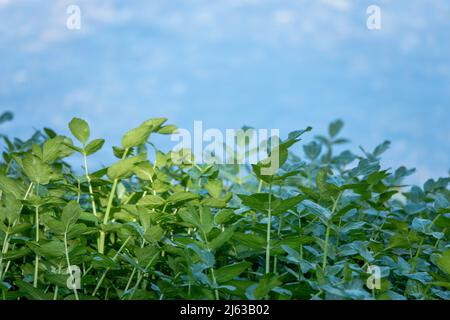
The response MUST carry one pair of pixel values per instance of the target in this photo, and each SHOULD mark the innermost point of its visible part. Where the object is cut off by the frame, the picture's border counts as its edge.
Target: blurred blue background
(268, 64)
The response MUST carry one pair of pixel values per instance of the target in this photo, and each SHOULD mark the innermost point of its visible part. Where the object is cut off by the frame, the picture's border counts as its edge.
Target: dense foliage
(150, 229)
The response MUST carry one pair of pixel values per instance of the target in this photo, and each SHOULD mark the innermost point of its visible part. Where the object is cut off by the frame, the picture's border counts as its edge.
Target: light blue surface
(269, 64)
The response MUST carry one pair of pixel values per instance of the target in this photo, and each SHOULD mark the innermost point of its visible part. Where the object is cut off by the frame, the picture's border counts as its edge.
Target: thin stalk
(260, 185)
(107, 270)
(213, 275)
(275, 260)
(419, 249)
(79, 191)
(101, 244)
(325, 250)
(8, 166)
(130, 279)
(269, 227)
(5, 246)
(55, 294)
(36, 261)
(439, 240)
(88, 178)
(239, 180)
(69, 266)
(141, 276)
(4, 250)
(327, 235)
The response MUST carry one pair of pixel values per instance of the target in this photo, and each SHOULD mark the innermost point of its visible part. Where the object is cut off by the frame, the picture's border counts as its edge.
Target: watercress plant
(142, 229)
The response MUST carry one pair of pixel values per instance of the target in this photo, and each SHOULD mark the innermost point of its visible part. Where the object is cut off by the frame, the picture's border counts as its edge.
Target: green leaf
(443, 262)
(189, 215)
(52, 249)
(284, 205)
(327, 190)
(124, 168)
(293, 255)
(257, 201)
(147, 256)
(323, 213)
(352, 226)
(182, 196)
(214, 203)
(206, 257)
(151, 201)
(335, 127)
(140, 135)
(71, 213)
(11, 186)
(137, 136)
(214, 188)
(144, 171)
(421, 225)
(312, 150)
(94, 146)
(252, 241)
(380, 149)
(221, 239)
(223, 216)
(169, 129)
(154, 234)
(206, 219)
(56, 148)
(230, 272)
(265, 285)
(31, 292)
(38, 171)
(16, 254)
(80, 130)
(6, 116)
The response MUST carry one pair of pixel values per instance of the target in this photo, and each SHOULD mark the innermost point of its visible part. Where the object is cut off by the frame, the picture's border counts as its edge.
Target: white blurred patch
(342, 5)
(179, 88)
(284, 17)
(20, 76)
(4, 3)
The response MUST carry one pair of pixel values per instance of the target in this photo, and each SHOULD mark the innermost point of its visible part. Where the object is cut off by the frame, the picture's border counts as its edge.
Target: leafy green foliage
(141, 229)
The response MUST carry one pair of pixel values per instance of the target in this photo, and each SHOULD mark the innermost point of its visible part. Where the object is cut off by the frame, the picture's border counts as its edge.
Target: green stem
(269, 227)
(69, 265)
(419, 249)
(36, 261)
(325, 250)
(107, 270)
(130, 279)
(141, 276)
(101, 243)
(55, 294)
(6, 240)
(327, 235)
(91, 191)
(439, 240)
(275, 260)
(213, 275)
(4, 250)
(260, 185)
